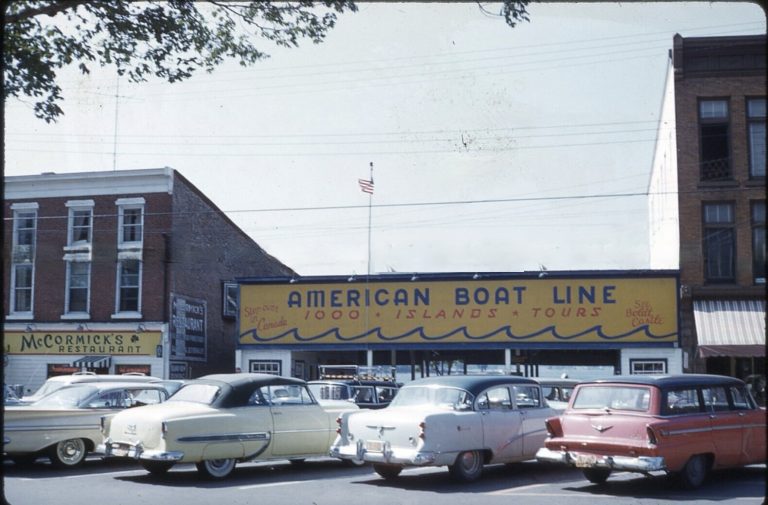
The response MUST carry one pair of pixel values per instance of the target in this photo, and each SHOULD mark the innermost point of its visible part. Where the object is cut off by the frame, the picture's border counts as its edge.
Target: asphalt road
(327, 482)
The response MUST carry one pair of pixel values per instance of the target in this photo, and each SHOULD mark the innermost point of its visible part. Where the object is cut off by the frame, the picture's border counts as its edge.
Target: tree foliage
(167, 39)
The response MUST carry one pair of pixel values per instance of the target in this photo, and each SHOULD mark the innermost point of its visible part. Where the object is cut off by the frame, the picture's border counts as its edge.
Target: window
(756, 132)
(265, 366)
(130, 222)
(758, 242)
(78, 287)
(719, 242)
(680, 401)
(23, 259)
(80, 223)
(741, 398)
(647, 366)
(527, 397)
(128, 286)
(714, 140)
(229, 302)
(715, 399)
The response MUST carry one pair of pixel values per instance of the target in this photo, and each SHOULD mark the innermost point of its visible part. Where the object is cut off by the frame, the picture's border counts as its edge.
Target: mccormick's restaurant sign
(549, 310)
(82, 342)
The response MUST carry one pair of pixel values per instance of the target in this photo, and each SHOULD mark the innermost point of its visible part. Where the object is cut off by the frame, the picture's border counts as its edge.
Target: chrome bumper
(642, 464)
(389, 455)
(136, 451)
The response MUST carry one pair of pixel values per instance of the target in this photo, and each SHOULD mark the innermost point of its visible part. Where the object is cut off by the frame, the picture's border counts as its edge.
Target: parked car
(219, 420)
(557, 392)
(59, 381)
(9, 396)
(684, 425)
(463, 422)
(368, 389)
(66, 424)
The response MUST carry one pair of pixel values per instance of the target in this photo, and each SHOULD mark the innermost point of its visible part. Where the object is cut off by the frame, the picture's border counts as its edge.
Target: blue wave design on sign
(463, 331)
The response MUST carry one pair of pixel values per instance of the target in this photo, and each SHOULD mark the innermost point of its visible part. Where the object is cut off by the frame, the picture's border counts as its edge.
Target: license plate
(374, 445)
(119, 452)
(586, 460)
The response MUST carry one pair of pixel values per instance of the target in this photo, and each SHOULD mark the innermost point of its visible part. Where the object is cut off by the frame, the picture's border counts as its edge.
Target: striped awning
(734, 328)
(93, 362)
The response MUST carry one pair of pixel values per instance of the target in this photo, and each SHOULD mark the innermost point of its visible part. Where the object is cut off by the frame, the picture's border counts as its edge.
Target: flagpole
(370, 204)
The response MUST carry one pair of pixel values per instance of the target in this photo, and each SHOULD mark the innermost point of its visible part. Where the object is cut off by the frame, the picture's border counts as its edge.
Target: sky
(494, 149)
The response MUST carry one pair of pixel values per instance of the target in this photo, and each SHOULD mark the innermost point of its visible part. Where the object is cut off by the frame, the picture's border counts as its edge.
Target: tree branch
(48, 10)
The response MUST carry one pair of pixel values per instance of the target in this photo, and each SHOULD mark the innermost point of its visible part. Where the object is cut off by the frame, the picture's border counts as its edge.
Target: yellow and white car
(219, 420)
(66, 425)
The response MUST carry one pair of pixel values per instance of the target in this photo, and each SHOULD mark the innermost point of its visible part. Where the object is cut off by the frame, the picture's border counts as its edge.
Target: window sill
(82, 316)
(20, 317)
(127, 315)
(730, 183)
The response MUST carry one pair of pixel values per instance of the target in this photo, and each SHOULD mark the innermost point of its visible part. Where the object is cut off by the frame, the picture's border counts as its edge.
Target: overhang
(93, 362)
(734, 328)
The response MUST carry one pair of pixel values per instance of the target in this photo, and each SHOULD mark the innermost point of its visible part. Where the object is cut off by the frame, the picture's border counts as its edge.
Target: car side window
(715, 399)
(499, 398)
(527, 397)
(290, 395)
(109, 400)
(680, 401)
(145, 397)
(258, 397)
(385, 394)
(741, 398)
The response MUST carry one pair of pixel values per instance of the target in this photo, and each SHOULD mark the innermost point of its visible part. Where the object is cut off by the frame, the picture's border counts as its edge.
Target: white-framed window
(23, 259)
(78, 299)
(128, 296)
(647, 366)
(229, 300)
(719, 242)
(714, 140)
(269, 366)
(130, 222)
(758, 242)
(80, 224)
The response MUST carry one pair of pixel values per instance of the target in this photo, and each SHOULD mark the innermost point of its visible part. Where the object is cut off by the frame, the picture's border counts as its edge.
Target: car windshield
(434, 396)
(198, 393)
(613, 398)
(66, 397)
(47, 388)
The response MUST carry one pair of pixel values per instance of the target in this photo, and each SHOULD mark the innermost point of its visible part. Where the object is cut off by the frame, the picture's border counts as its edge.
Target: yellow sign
(82, 342)
(608, 310)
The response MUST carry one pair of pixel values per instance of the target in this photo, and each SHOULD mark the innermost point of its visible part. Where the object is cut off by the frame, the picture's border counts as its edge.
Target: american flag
(366, 186)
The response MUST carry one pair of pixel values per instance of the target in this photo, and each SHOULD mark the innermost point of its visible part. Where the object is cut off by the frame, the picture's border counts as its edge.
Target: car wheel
(156, 468)
(216, 468)
(68, 453)
(597, 475)
(694, 472)
(387, 471)
(468, 466)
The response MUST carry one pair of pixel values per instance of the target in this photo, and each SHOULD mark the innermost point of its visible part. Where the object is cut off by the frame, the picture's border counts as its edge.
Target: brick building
(708, 200)
(120, 271)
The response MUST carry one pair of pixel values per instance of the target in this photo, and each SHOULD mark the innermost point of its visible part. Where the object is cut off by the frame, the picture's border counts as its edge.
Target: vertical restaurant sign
(188, 328)
(567, 310)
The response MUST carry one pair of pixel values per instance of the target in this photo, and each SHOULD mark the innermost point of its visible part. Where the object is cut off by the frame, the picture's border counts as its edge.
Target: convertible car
(219, 420)
(66, 424)
(463, 422)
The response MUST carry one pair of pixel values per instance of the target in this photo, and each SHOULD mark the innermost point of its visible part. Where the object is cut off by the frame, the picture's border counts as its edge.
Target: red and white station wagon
(684, 425)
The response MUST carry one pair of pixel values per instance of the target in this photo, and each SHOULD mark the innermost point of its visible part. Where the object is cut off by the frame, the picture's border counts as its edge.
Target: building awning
(734, 328)
(93, 362)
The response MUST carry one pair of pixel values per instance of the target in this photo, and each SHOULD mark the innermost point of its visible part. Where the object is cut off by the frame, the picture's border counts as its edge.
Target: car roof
(239, 379)
(669, 380)
(354, 382)
(475, 384)
(101, 386)
(81, 378)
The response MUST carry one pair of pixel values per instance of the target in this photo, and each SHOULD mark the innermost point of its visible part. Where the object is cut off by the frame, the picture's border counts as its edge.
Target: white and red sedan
(463, 422)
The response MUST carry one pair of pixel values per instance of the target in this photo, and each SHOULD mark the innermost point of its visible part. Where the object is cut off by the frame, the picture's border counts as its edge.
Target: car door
(752, 426)
(726, 425)
(502, 424)
(528, 400)
(301, 426)
(253, 424)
